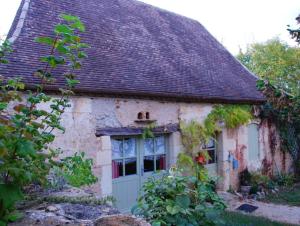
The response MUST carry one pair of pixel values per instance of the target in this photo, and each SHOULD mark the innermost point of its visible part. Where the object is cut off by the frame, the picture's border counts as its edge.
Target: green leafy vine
(195, 135)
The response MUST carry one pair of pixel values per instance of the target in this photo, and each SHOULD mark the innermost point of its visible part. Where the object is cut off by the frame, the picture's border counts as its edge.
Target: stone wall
(90, 113)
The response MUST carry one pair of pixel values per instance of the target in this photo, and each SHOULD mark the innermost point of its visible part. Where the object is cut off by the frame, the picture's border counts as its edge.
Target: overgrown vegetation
(74, 170)
(77, 170)
(179, 200)
(276, 62)
(264, 183)
(187, 195)
(195, 135)
(74, 200)
(289, 195)
(278, 66)
(283, 110)
(232, 116)
(26, 131)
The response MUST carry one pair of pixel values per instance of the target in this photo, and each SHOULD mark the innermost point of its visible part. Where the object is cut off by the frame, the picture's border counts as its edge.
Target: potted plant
(245, 181)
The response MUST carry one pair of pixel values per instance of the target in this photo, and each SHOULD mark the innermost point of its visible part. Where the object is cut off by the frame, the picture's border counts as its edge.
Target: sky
(235, 23)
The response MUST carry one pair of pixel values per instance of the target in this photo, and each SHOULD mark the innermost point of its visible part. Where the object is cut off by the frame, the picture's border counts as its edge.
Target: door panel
(126, 191)
(125, 172)
(134, 160)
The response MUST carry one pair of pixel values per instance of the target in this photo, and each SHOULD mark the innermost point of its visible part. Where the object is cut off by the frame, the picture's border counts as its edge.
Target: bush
(26, 130)
(77, 170)
(258, 179)
(284, 179)
(173, 199)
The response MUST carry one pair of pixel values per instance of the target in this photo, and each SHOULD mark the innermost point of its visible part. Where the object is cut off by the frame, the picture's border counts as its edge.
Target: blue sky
(235, 23)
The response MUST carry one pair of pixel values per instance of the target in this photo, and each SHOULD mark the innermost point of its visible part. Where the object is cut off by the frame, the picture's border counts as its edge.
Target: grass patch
(239, 219)
(287, 196)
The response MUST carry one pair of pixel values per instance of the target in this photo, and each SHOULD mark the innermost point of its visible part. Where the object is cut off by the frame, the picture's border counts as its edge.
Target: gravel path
(275, 212)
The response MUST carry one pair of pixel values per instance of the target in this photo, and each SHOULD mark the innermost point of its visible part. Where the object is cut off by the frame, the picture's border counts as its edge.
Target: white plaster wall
(89, 113)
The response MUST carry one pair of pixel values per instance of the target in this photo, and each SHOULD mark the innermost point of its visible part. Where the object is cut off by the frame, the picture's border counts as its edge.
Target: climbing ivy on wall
(283, 109)
(232, 116)
(195, 135)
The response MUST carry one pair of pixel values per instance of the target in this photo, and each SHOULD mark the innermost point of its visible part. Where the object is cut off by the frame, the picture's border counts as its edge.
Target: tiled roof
(137, 49)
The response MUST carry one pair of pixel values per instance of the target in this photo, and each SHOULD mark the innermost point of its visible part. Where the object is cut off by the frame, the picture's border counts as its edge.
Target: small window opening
(147, 115)
(140, 115)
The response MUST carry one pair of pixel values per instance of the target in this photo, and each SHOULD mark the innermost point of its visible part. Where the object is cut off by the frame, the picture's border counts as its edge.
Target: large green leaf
(173, 209)
(26, 148)
(3, 106)
(45, 40)
(61, 28)
(69, 18)
(183, 200)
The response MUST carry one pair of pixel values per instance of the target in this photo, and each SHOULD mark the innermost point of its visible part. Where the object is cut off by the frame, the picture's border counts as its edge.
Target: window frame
(155, 154)
(214, 148)
(123, 158)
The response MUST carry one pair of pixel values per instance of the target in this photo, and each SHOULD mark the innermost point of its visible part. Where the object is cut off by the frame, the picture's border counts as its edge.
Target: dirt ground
(275, 212)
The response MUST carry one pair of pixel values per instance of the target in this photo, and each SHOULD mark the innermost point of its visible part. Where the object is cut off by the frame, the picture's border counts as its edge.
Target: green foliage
(241, 219)
(276, 62)
(283, 109)
(78, 171)
(9, 195)
(193, 136)
(287, 195)
(284, 179)
(27, 131)
(231, 115)
(5, 49)
(147, 132)
(179, 200)
(87, 200)
(278, 66)
(259, 182)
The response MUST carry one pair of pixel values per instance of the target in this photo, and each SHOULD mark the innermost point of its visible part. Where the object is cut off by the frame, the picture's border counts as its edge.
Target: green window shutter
(253, 142)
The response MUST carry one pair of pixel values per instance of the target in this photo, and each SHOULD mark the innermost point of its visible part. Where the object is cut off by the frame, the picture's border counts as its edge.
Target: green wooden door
(133, 161)
(125, 172)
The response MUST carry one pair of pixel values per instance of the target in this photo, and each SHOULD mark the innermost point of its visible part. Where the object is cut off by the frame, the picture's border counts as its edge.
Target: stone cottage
(146, 65)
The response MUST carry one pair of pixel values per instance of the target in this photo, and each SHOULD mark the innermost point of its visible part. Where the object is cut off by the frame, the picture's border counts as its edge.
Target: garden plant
(27, 130)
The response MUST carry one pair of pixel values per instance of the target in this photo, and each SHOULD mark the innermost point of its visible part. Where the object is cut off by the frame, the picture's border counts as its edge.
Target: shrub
(283, 179)
(173, 199)
(75, 170)
(259, 179)
(78, 171)
(26, 131)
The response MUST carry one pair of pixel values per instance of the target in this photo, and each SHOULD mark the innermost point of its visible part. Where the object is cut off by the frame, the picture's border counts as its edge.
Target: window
(124, 157)
(154, 154)
(211, 149)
